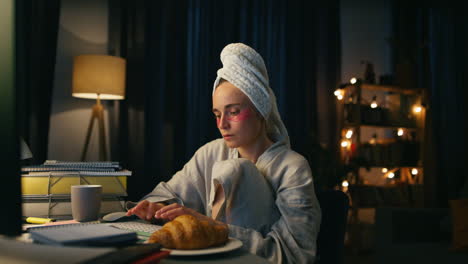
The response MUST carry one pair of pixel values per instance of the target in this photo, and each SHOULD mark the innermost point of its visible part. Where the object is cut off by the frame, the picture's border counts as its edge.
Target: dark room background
(172, 50)
(173, 54)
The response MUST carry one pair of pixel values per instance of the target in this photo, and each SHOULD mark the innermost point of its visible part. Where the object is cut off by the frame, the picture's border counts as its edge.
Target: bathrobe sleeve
(187, 187)
(292, 239)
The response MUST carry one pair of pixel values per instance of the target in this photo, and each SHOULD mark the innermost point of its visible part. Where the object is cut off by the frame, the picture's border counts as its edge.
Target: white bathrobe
(270, 206)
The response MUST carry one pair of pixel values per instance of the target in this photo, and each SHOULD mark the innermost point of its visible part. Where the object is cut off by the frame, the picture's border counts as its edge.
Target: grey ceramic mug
(86, 202)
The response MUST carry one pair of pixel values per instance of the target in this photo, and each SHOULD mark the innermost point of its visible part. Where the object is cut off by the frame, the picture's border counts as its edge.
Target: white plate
(232, 244)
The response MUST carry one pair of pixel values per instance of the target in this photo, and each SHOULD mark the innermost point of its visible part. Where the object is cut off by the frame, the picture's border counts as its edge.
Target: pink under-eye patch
(243, 115)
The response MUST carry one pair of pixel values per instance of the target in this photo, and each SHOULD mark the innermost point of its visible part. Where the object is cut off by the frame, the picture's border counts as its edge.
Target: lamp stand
(98, 113)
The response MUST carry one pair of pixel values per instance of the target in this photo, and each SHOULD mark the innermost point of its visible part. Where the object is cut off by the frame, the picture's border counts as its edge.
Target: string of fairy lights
(410, 173)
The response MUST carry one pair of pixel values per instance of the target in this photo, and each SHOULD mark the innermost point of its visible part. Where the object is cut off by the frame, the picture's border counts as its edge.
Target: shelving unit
(382, 133)
(381, 145)
(54, 188)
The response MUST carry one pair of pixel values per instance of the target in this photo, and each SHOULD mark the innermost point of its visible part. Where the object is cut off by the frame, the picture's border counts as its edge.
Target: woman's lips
(227, 137)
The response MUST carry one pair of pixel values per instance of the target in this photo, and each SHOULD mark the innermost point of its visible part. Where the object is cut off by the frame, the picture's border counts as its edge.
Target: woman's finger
(139, 209)
(150, 212)
(166, 208)
(171, 214)
(141, 206)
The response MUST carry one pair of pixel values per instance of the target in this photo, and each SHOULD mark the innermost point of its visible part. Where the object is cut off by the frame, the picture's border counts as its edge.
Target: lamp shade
(99, 74)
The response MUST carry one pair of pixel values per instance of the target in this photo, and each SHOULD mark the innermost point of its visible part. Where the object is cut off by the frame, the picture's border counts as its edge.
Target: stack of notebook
(53, 180)
(56, 177)
(76, 167)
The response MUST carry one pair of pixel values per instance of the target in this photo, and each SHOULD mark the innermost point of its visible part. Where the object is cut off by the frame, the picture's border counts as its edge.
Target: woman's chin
(231, 144)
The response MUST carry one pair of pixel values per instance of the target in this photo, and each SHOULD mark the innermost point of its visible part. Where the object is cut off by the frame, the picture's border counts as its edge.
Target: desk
(235, 257)
(19, 252)
(13, 251)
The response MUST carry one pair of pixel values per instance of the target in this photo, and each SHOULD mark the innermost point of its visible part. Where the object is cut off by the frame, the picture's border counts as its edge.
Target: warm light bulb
(374, 102)
(339, 94)
(414, 171)
(349, 133)
(417, 109)
(345, 183)
(353, 80)
(400, 132)
(344, 143)
(384, 170)
(391, 175)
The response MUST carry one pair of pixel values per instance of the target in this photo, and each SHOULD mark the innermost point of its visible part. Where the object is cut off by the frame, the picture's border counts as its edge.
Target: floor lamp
(99, 77)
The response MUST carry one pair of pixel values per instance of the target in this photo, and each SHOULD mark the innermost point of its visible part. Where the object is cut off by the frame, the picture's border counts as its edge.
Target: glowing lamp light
(344, 143)
(339, 94)
(345, 183)
(400, 132)
(391, 175)
(349, 133)
(384, 170)
(374, 102)
(414, 171)
(417, 109)
(353, 80)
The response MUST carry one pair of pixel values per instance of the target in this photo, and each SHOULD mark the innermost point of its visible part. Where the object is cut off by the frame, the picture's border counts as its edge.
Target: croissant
(188, 232)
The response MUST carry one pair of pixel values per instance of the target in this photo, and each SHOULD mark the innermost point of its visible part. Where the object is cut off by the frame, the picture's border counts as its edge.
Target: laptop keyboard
(141, 228)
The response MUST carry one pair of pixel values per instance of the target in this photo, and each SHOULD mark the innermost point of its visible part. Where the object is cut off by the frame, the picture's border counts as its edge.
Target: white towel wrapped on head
(244, 68)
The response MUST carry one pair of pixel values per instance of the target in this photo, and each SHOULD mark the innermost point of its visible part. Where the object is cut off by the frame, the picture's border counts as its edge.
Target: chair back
(330, 241)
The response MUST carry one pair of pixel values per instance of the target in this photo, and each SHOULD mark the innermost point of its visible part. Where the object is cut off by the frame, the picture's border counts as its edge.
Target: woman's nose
(222, 122)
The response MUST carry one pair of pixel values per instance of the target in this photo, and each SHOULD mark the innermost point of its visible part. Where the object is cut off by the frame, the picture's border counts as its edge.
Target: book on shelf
(54, 163)
(40, 168)
(77, 173)
(75, 168)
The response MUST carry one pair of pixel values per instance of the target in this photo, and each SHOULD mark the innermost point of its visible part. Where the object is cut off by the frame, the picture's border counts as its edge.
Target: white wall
(83, 30)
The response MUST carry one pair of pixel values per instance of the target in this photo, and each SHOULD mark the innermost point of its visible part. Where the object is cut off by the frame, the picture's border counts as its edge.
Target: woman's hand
(171, 211)
(145, 210)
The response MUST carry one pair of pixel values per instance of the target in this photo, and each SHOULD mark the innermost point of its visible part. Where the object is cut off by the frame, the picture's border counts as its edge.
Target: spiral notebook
(85, 164)
(83, 235)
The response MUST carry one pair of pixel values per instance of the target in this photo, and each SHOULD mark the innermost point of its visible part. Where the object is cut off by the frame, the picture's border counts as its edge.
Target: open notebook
(93, 234)
(83, 235)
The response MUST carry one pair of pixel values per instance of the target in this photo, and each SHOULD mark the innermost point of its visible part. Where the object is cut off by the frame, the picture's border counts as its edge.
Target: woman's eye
(234, 112)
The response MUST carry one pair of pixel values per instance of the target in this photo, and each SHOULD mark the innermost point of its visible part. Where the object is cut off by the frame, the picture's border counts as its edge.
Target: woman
(250, 181)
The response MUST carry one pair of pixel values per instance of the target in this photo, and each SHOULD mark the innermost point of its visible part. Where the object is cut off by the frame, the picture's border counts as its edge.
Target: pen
(37, 220)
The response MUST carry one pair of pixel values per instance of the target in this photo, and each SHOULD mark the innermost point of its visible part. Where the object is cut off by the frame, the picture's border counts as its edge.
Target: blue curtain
(448, 33)
(436, 40)
(173, 48)
(37, 24)
(286, 34)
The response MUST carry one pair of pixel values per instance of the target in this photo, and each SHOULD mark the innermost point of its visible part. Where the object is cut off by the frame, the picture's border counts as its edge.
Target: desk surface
(239, 256)
(19, 252)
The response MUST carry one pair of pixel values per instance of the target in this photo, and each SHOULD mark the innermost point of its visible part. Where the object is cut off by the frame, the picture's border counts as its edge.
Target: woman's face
(239, 123)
